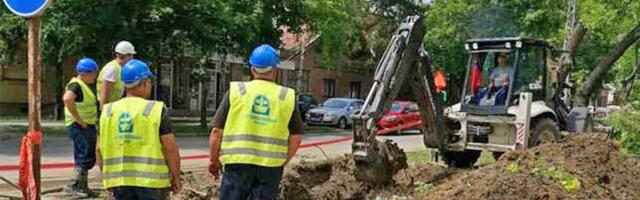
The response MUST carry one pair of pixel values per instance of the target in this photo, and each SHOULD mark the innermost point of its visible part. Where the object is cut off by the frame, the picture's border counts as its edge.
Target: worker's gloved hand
(214, 168)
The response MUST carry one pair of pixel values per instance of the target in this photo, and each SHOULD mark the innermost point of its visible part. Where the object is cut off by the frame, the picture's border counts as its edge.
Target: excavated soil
(335, 179)
(585, 166)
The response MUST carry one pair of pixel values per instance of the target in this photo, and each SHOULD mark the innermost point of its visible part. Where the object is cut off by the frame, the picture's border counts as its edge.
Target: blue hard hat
(264, 56)
(135, 70)
(86, 65)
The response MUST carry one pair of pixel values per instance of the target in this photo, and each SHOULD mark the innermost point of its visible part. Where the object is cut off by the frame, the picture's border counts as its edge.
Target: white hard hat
(125, 48)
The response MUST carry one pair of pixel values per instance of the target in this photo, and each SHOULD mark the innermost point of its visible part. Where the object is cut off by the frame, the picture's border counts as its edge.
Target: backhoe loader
(509, 101)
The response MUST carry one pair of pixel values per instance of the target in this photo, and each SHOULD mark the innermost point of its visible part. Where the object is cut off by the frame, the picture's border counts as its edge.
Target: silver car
(334, 111)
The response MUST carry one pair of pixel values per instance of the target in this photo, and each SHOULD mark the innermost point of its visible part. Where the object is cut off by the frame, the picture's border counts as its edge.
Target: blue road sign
(26, 8)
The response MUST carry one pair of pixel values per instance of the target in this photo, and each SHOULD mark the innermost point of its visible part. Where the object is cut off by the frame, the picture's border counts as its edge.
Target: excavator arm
(403, 64)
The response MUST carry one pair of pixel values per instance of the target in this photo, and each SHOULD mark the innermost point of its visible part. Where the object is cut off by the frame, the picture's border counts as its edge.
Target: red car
(402, 115)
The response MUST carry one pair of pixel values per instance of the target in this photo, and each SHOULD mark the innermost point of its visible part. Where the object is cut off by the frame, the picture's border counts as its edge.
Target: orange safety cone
(26, 180)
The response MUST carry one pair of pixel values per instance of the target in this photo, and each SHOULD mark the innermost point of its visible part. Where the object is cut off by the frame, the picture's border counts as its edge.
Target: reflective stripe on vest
(256, 131)
(87, 109)
(118, 88)
(130, 144)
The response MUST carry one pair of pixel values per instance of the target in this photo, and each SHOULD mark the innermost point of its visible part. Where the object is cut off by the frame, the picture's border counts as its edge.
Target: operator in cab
(499, 79)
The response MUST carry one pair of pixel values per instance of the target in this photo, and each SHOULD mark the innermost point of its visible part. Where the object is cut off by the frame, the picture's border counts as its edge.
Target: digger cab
(499, 69)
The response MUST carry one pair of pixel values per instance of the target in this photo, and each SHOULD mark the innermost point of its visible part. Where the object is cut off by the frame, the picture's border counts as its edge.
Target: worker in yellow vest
(110, 87)
(257, 131)
(137, 150)
(80, 115)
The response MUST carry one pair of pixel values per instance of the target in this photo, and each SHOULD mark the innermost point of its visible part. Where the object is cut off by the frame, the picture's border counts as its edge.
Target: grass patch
(486, 157)
(418, 157)
(558, 173)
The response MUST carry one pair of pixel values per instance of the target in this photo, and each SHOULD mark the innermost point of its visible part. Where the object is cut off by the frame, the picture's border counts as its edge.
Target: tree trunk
(303, 48)
(59, 91)
(571, 46)
(627, 83)
(606, 62)
(203, 103)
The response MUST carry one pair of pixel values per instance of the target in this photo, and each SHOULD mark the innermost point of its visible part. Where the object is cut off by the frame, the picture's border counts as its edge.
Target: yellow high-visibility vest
(87, 109)
(257, 127)
(118, 88)
(130, 144)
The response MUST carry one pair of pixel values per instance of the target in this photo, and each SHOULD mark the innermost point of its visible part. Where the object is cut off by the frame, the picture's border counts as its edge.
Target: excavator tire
(461, 159)
(544, 130)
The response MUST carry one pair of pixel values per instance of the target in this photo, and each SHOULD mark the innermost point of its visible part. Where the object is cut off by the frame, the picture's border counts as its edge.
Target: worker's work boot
(84, 185)
(73, 188)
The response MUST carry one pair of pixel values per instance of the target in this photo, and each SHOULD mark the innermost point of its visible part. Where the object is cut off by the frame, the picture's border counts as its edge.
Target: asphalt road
(59, 150)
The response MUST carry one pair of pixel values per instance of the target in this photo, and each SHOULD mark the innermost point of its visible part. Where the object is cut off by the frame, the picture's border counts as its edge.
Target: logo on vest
(261, 109)
(261, 105)
(125, 124)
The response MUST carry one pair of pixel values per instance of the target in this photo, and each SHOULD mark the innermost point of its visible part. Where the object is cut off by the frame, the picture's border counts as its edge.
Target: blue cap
(86, 65)
(135, 70)
(264, 56)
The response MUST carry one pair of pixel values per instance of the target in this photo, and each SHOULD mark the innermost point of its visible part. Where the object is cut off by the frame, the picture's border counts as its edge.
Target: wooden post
(34, 62)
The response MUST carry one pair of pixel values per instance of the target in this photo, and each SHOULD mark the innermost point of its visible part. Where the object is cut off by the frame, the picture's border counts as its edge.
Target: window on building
(329, 88)
(355, 89)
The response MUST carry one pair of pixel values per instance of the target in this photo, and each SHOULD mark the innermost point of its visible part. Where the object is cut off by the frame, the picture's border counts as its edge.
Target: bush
(627, 129)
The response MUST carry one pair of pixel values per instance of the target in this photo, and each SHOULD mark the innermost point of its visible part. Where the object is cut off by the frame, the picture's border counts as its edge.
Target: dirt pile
(586, 166)
(198, 185)
(335, 179)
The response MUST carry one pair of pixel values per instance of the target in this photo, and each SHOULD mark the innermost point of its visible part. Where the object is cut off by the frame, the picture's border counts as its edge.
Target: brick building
(347, 79)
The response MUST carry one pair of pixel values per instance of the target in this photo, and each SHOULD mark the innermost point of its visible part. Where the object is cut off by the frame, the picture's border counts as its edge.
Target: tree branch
(606, 62)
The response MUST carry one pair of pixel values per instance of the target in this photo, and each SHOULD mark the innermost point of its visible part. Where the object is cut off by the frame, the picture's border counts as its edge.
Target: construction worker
(257, 131)
(110, 87)
(81, 113)
(137, 150)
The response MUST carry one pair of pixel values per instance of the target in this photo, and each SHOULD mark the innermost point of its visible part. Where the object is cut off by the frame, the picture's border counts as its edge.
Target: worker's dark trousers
(84, 145)
(244, 181)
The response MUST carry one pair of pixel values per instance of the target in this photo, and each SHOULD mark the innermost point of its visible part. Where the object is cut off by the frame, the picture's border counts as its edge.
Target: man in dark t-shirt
(257, 130)
(81, 113)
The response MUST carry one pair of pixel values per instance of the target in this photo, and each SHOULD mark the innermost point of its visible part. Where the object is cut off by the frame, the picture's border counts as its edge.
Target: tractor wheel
(544, 130)
(342, 123)
(461, 159)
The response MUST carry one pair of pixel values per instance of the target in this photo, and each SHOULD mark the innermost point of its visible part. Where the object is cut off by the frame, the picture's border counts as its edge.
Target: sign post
(30, 174)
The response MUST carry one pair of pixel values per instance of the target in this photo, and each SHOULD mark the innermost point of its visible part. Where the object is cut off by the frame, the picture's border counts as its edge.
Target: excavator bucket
(404, 58)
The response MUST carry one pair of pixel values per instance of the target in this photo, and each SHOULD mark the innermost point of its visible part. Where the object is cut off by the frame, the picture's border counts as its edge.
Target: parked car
(401, 112)
(335, 112)
(306, 102)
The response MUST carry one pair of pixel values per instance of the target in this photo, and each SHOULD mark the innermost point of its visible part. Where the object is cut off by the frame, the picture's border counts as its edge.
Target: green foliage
(546, 169)
(625, 122)
(158, 28)
(333, 20)
(422, 187)
(513, 168)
